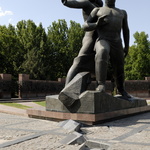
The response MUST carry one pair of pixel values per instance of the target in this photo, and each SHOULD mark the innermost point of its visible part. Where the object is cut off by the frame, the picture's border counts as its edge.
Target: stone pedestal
(91, 108)
(93, 102)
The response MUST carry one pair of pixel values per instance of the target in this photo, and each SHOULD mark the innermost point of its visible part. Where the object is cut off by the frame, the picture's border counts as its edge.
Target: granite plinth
(93, 107)
(93, 102)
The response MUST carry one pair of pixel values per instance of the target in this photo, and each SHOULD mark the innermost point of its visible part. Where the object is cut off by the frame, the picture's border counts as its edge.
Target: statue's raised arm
(86, 5)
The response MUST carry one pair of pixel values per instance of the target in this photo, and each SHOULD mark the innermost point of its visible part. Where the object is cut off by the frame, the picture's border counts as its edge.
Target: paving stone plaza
(18, 132)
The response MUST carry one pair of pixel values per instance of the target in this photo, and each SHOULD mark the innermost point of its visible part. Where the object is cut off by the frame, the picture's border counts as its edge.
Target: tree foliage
(9, 50)
(138, 61)
(65, 44)
(27, 48)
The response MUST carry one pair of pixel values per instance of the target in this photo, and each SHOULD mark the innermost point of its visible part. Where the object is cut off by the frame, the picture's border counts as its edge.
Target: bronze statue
(102, 43)
(108, 21)
(85, 59)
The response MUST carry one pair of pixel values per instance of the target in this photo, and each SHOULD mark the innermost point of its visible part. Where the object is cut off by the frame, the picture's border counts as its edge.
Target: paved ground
(18, 132)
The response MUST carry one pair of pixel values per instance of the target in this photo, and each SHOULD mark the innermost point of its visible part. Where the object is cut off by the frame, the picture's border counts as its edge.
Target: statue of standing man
(108, 21)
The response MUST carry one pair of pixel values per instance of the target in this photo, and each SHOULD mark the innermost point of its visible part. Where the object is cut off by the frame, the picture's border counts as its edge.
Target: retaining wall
(29, 88)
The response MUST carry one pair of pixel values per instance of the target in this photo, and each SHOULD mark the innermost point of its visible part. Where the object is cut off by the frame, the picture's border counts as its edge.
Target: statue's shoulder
(104, 10)
(124, 13)
(121, 10)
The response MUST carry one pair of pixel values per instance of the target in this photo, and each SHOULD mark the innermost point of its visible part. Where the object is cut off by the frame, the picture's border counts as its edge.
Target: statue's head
(99, 3)
(110, 2)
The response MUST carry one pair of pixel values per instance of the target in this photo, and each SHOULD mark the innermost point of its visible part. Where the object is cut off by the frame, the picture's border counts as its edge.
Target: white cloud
(10, 20)
(4, 13)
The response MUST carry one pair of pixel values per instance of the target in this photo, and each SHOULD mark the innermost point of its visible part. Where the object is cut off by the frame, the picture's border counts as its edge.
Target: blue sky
(47, 11)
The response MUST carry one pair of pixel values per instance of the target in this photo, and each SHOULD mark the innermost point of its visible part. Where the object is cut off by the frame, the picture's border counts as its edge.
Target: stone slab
(93, 102)
(93, 145)
(70, 125)
(23, 139)
(74, 88)
(74, 138)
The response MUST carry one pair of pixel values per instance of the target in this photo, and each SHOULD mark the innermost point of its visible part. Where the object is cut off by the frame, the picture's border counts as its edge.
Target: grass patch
(42, 103)
(16, 105)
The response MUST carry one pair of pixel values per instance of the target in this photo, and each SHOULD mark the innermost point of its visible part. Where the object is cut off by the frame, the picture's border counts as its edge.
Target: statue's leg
(121, 87)
(83, 56)
(72, 72)
(101, 62)
(117, 60)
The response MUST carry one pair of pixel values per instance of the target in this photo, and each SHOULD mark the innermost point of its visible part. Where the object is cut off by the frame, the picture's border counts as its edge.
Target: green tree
(31, 64)
(9, 50)
(33, 39)
(138, 61)
(27, 48)
(75, 36)
(57, 37)
(64, 44)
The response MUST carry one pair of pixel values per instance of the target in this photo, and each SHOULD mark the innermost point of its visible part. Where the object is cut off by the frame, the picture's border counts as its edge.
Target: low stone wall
(137, 88)
(40, 88)
(5, 86)
(37, 88)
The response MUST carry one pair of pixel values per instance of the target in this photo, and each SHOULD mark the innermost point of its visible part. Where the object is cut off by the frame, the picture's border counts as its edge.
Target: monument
(107, 22)
(102, 43)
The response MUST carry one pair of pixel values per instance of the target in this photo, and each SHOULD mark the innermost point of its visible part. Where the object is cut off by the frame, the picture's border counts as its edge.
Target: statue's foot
(100, 88)
(126, 96)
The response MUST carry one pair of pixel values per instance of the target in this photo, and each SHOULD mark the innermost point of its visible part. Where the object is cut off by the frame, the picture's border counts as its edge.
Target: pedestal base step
(89, 119)
(92, 107)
